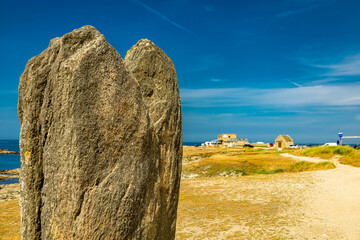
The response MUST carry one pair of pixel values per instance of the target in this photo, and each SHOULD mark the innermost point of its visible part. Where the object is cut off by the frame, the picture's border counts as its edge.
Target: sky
(254, 68)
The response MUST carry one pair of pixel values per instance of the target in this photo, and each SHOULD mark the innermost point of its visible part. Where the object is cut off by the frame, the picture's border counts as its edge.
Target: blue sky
(254, 68)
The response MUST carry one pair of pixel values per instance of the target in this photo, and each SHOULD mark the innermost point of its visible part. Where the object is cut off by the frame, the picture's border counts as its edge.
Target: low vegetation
(213, 162)
(352, 158)
(348, 154)
(10, 220)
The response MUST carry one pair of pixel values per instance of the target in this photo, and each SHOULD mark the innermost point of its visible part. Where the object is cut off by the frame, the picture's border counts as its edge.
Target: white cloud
(294, 83)
(288, 13)
(350, 66)
(343, 95)
(216, 80)
(325, 80)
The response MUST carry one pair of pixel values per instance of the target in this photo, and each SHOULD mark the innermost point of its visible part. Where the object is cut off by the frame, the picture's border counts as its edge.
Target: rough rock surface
(158, 82)
(90, 158)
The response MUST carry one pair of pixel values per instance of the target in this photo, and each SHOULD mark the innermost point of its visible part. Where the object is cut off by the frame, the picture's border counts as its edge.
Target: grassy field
(348, 154)
(211, 162)
(212, 204)
(10, 220)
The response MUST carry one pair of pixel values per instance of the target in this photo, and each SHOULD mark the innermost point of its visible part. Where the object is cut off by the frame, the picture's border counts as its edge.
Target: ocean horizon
(12, 161)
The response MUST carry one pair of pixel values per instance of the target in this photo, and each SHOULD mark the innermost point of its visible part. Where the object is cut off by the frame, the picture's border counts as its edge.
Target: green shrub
(328, 151)
(310, 166)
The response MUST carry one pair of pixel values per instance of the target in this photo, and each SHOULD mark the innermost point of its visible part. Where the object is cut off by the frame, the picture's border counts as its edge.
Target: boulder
(158, 82)
(91, 160)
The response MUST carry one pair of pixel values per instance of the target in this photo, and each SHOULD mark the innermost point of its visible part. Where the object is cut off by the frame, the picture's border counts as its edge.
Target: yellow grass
(351, 159)
(10, 220)
(236, 208)
(348, 155)
(240, 161)
(210, 210)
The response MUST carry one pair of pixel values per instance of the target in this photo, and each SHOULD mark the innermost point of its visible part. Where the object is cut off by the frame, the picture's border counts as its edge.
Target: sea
(9, 161)
(12, 161)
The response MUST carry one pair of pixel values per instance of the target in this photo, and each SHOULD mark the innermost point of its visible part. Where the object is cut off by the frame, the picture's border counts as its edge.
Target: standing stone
(158, 82)
(90, 166)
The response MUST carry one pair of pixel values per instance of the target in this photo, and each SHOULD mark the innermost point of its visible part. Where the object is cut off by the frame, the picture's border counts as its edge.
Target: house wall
(225, 137)
(284, 143)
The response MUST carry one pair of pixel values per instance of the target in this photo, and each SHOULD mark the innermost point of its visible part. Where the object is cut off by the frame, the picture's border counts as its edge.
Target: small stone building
(231, 140)
(226, 137)
(283, 141)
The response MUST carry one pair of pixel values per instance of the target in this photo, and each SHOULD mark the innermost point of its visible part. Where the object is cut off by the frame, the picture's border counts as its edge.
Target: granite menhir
(100, 141)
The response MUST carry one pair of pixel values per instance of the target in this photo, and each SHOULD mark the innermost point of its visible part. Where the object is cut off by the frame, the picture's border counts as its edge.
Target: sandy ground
(9, 192)
(309, 205)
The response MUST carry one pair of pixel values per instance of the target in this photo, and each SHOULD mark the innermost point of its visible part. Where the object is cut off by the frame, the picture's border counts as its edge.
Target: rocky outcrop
(158, 82)
(5, 151)
(92, 165)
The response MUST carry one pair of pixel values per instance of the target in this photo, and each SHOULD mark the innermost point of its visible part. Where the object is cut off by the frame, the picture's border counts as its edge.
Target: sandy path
(309, 159)
(309, 205)
(336, 202)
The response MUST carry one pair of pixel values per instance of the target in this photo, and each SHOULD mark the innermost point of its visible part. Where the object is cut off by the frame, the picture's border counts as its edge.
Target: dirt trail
(309, 159)
(308, 205)
(334, 207)
(337, 201)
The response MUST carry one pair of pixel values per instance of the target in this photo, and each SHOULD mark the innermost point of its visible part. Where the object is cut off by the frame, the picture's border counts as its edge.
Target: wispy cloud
(294, 83)
(288, 13)
(325, 80)
(216, 80)
(165, 18)
(358, 117)
(290, 8)
(343, 95)
(350, 66)
(152, 10)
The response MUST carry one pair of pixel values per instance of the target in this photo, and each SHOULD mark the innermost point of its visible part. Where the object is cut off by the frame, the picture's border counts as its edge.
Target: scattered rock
(95, 165)
(5, 151)
(189, 175)
(11, 171)
(5, 174)
(9, 192)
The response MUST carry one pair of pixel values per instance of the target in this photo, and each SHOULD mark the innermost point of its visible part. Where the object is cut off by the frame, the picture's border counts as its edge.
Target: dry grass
(349, 155)
(222, 208)
(255, 207)
(10, 220)
(351, 159)
(240, 161)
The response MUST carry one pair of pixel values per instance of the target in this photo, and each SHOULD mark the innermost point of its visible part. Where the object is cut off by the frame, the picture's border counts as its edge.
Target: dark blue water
(192, 143)
(9, 161)
(10, 181)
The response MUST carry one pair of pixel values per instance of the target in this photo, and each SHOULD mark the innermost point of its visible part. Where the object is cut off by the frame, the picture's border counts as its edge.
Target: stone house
(231, 140)
(225, 137)
(283, 141)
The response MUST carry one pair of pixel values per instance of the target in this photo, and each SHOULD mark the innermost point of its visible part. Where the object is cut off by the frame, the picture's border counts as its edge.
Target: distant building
(283, 141)
(231, 140)
(212, 143)
(225, 137)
